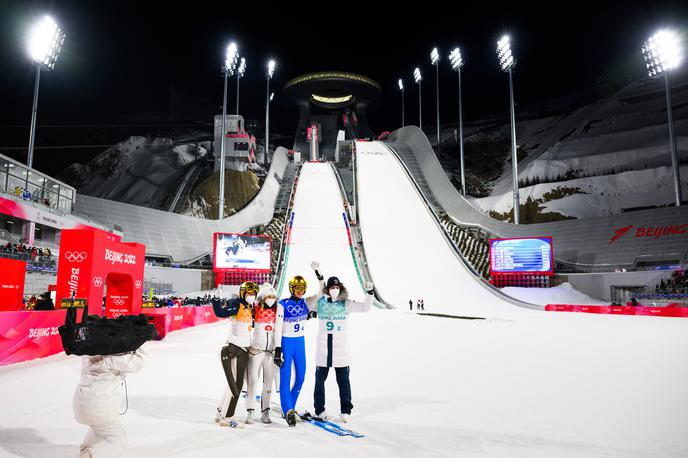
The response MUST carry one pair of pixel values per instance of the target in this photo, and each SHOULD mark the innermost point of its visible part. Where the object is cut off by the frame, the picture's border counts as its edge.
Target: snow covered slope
(138, 171)
(399, 231)
(618, 142)
(319, 232)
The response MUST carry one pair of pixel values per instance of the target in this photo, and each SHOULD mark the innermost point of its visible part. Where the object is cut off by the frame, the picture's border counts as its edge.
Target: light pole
(45, 41)
(240, 73)
(227, 71)
(435, 60)
(663, 52)
(506, 63)
(401, 88)
(268, 98)
(457, 63)
(417, 77)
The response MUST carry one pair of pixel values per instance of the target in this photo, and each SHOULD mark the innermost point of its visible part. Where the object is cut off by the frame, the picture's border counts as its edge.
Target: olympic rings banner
(92, 260)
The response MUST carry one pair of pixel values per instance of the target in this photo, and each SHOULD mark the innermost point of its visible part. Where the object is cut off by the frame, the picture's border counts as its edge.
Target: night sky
(121, 58)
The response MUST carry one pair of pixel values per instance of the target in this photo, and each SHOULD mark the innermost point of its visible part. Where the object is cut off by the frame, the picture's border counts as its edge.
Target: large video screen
(531, 255)
(242, 252)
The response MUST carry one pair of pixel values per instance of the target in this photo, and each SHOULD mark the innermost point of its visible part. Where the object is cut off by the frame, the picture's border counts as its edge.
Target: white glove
(315, 265)
(368, 286)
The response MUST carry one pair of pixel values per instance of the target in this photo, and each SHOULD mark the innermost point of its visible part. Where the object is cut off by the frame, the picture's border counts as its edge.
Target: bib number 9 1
(297, 327)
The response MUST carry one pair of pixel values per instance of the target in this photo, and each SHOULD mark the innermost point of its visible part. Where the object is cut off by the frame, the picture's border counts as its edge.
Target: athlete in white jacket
(261, 353)
(332, 349)
(97, 401)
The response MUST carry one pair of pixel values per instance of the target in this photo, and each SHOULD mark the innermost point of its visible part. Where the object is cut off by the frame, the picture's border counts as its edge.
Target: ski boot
(291, 417)
(265, 416)
(249, 417)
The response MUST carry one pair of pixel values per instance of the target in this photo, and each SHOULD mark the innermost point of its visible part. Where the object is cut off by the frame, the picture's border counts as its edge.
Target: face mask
(250, 299)
(334, 292)
(270, 302)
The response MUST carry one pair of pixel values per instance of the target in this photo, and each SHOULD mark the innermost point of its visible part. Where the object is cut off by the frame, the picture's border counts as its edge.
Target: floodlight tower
(228, 69)
(418, 78)
(240, 74)
(506, 63)
(435, 60)
(663, 52)
(457, 63)
(268, 99)
(401, 88)
(45, 42)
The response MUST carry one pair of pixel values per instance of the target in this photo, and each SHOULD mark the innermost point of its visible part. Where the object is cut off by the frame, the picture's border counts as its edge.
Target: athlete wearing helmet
(332, 350)
(261, 353)
(234, 355)
(290, 345)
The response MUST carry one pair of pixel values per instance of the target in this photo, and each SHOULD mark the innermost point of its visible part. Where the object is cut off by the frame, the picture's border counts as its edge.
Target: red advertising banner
(12, 276)
(176, 318)
(620, 310)
(92, 261)
(26, 335)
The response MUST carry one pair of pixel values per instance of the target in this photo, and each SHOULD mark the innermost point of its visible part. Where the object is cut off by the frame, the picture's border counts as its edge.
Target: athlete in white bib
(261, 353)
(332, 349)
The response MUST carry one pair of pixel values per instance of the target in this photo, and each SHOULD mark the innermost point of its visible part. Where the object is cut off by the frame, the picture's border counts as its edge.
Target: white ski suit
(98, 399)
(261, 356)
(332, 319)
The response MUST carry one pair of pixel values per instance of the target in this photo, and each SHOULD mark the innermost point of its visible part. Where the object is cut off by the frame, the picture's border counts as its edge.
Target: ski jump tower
(332, 101)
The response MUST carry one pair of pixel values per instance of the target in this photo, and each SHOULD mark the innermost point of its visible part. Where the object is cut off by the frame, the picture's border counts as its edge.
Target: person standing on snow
(97, 401)
(332, 349)
(234, 355)
(261, 354)
(410, 305)
(290, 344)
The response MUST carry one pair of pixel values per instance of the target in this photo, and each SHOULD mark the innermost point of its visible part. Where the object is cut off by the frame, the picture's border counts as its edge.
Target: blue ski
(331, 427)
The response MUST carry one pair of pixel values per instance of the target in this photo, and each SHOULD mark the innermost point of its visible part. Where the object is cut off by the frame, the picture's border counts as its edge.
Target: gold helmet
(297, 283)
(246, 288)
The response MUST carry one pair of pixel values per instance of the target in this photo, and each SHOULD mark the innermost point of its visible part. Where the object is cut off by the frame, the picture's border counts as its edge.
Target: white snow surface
(524, 384)
(560, 294)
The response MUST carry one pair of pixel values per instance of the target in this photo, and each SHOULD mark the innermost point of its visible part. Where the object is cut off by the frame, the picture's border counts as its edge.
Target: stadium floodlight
(240, 74)
(228, 69)
(435, 60)
(663, 52)
(401, 88)
(506, 63)
(45, 41)
(268, 96)
(418, 78)
(457, 63)
(504, 54)
(272, 96)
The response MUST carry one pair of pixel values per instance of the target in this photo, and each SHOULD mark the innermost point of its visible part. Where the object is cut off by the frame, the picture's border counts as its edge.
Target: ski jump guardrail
(587, 244)
(453, 247)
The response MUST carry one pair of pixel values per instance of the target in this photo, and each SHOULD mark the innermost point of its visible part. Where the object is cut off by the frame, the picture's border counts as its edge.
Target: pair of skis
(329, 426)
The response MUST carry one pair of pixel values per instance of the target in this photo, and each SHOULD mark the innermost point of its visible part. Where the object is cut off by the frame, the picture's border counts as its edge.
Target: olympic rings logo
(118, 301)
(295, 309)
(75, 256)
(138, 284)
(98, 281)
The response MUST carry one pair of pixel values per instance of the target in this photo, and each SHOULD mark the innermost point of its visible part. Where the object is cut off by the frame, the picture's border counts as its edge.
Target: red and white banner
(26, 335)
(37, 215)
(12, 276)
(91, 260)
(620, 310)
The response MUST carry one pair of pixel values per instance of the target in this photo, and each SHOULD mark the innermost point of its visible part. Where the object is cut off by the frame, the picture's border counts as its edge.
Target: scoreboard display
(528, 255)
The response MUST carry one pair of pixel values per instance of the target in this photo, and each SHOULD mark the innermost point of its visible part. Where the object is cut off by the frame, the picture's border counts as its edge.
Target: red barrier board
(12, 276)
(26, 335)
(176, 318)
(620, 310)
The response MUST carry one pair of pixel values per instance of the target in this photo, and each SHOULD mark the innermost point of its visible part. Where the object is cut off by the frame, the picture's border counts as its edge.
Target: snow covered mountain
(605, 152)
(140, 170)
